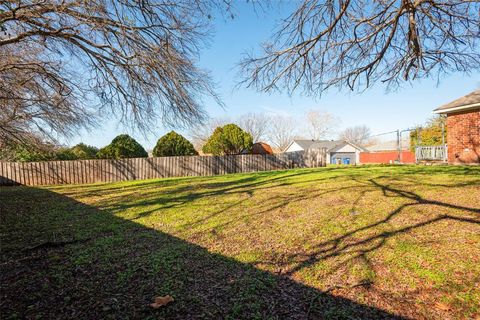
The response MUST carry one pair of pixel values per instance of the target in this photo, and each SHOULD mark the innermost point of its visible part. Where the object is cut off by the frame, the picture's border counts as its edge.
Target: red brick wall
(463, 137)
(386, 156)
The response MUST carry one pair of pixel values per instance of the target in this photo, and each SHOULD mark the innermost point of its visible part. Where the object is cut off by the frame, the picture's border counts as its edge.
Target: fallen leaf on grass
(442, 306)
(161, 301)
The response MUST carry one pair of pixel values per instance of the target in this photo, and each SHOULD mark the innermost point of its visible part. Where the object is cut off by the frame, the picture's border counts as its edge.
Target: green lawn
(335, 243)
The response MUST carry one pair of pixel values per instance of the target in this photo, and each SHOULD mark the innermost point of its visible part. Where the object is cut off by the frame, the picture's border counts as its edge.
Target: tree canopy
(354, 44)
(173, 144)
(65, 65)
(83, 151)
(62, 63)
(429, 134)
(229, 139)
(122, 146)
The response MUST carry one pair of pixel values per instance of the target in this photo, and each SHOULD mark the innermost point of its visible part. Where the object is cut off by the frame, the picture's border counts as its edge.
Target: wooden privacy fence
(110, 170)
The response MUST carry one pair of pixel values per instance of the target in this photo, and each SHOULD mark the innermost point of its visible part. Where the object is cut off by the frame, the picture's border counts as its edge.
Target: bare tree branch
(320, 124)
(354, 44)
(282, 131)
(257, 124)
(359, 135)
(134, 58)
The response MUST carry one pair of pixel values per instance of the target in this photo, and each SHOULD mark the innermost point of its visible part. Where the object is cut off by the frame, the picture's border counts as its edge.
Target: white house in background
(338, 151)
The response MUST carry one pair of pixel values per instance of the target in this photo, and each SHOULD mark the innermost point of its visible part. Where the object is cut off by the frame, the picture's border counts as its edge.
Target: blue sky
(382, 111)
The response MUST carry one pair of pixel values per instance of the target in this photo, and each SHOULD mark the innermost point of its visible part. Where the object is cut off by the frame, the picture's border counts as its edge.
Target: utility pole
(400, 149)
(398, 146)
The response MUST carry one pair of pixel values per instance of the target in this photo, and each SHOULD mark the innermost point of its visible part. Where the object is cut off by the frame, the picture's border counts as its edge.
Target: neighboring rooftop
(318, 144)
(261, 148)
(470, 101)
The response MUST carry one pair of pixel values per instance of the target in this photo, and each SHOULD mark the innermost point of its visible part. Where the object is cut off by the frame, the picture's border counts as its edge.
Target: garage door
(342, 158)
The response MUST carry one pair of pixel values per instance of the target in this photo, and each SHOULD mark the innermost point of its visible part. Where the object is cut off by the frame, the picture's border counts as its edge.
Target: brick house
(463, 128)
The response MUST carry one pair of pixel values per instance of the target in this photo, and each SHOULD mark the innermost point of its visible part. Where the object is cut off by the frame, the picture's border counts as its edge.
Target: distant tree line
(280, 129)
(276, 129)
(229, 139)
(216, 137)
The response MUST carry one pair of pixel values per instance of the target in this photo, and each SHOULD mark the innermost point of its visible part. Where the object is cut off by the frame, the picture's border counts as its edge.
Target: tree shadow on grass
(175, 198)
(180, 191)
(357, 245)
(64, 259)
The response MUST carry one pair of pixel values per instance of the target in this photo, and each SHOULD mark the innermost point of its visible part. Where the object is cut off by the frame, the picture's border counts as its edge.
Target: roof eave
(455, 109)
(289, 145)
(356, 146)
(343, 144)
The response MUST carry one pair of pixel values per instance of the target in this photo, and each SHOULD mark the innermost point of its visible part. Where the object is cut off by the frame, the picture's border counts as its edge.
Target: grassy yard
(335, 243)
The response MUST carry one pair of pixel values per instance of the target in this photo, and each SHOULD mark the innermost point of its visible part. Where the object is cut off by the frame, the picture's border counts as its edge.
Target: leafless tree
(36, 98)
(282, 131)
(320, 123)
(359, 135)
(62, 62)
(256, 124)
(354, 44)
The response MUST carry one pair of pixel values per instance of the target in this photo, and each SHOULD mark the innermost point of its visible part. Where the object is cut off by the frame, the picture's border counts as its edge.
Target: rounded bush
(173, 144)
(83, 151)
(229, 139)
(122, 146)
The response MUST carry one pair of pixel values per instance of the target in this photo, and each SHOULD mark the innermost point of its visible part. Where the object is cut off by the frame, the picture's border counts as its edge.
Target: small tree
(122, 146)
(83, 151)
(200, 133)
(173, 144)
(430, 134)
(229, 139)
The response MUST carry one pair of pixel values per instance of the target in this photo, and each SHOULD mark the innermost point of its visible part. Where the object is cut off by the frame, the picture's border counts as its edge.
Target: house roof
(470, 101)
(261, 148)
(318, 144)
